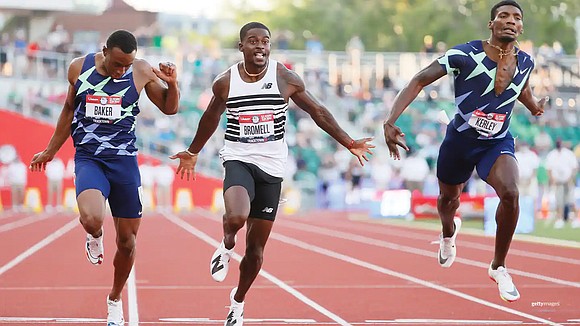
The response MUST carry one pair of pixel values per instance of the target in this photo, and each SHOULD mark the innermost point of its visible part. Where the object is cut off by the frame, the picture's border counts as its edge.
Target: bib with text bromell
(256, 127)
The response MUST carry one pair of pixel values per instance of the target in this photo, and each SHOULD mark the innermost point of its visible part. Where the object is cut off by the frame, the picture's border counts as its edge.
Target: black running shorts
(264, 189)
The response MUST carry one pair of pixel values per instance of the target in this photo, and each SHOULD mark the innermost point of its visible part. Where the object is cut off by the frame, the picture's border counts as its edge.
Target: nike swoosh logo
(216, 265)
(514, 292)
(120, 80)
(524, 71)
(441, 259)
(505, 152)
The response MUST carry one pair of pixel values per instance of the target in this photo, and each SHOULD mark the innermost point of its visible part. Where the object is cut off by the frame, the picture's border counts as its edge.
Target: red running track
(319, 269)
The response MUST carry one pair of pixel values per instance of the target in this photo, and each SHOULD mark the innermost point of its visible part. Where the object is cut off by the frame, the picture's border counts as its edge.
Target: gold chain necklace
(254, 75)
(503, 52)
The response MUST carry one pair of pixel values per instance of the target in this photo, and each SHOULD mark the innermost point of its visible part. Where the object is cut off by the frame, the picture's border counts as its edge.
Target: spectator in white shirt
(562, 166)
(17, 179)
(55, 171)
(415, 171)
(164, 176)
(528, 163)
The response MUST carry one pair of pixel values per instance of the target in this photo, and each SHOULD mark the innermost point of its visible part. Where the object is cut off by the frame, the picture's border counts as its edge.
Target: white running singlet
(256, 119)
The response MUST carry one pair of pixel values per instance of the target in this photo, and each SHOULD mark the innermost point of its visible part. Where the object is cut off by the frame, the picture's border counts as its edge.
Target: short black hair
(244, 30)
(123, 40)
(505, 3)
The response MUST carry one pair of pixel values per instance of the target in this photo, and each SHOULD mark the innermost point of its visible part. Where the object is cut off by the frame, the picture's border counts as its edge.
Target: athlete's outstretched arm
(207, 125)
(63, 125)
(527, 98)
(166, 98)
(324, 119)
(423, 78)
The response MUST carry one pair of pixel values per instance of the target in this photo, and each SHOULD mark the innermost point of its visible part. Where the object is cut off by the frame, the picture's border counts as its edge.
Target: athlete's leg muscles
(256, 238)
(447, 204)
(237, 209)
(503, 178)
(91, 204)
(127, 229)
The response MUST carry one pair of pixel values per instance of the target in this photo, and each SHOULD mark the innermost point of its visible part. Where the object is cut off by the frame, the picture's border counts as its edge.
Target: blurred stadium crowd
(357, 86)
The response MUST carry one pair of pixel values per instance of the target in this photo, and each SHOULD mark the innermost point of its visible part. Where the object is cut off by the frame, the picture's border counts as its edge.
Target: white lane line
(416, 251)
(201, 235)
(132, 299)
(25, 221)
(268, 321)
(446, 321)
(41, 244)
(467, 244)
(358, 262)
(47, 320)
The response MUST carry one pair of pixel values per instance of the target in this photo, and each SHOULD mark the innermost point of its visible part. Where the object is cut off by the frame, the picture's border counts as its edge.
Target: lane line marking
(446, 321)
(25, 221)
(464, 243)
(132, 299)
(416, 251)
(41, 244)
(209, 240)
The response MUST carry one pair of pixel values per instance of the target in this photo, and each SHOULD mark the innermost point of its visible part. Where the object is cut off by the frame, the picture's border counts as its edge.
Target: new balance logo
(268, 210)
(216, 265)
(267, 86)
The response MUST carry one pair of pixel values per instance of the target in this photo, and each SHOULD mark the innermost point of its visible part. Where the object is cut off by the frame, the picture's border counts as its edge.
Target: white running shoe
(220, 262)
(447, 251)
(94, 249)
(236, 313)
(115, 313)
(507, 289)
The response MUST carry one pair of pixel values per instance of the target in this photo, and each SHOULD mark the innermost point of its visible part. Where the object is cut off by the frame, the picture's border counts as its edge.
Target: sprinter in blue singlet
(490, 75)
(99, 113)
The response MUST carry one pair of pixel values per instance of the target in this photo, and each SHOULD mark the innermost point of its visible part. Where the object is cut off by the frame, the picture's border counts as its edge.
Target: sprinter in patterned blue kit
(489, 76)
(99, 113)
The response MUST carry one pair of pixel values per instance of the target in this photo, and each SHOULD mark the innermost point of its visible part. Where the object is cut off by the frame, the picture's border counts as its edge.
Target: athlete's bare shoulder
(288, 81)
(74, 69)
(221, 85)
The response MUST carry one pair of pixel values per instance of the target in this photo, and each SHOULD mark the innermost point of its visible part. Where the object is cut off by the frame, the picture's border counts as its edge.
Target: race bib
(256, 128)
(103, 109)
(487, 124)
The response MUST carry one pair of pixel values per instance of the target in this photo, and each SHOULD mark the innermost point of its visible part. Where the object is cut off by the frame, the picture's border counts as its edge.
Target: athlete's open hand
(39, 161)
(538, 110)
(186, 164)
(166, 72)
(394, 137)
(360, 148)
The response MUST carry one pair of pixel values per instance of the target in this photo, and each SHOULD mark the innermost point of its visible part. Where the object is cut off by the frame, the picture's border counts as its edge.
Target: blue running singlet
(105, 111)
(479, 132)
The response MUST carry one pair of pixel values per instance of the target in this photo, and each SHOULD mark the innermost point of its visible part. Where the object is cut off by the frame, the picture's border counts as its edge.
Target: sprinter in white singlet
(254, 93)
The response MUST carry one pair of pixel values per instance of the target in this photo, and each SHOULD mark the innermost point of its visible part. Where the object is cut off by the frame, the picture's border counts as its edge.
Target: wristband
(351, 145)
(190, 153)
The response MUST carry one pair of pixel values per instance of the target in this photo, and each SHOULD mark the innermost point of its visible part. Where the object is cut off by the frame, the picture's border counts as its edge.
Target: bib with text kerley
(103, 109)
(487, 124)
(257, 127)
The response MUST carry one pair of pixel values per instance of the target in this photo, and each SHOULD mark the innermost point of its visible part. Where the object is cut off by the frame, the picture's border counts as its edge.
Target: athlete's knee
(447, 200)
(509, 195)
(255, 254)
(235, 220)
(92, 223)
(126, 244)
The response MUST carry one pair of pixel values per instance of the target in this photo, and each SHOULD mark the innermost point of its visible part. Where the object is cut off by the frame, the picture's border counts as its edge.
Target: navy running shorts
(264, 190)
(458, 155)
(118, 179)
